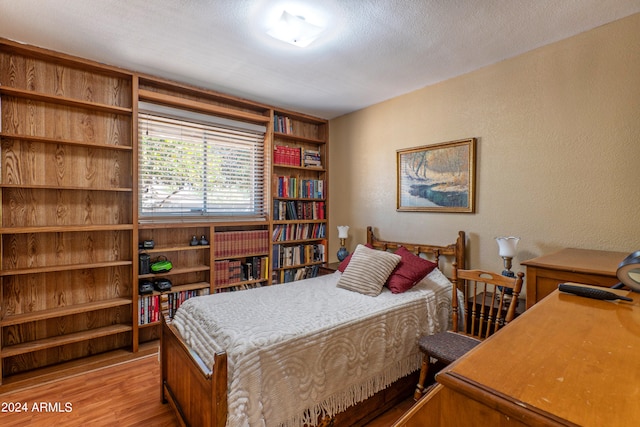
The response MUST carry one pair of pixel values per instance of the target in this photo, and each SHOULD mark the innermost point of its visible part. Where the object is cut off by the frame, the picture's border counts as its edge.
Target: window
(194, 165)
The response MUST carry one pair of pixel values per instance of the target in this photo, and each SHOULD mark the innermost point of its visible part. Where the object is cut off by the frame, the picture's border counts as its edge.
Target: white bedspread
(307, 348)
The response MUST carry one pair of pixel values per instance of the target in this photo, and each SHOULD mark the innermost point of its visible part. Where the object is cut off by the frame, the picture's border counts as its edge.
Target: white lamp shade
(343, 231)
(507, 246)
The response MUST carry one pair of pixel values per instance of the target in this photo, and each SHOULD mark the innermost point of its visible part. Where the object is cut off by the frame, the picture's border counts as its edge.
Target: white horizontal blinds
(190, 168)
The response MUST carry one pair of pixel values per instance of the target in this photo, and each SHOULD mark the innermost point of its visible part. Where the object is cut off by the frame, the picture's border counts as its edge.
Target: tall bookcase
(299, 196)
(67, 216)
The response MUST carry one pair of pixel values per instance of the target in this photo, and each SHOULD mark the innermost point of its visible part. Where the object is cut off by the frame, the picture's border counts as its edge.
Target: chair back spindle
(488, 305)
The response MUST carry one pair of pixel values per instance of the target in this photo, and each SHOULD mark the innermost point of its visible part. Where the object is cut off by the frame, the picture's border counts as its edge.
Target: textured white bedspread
(308, 348)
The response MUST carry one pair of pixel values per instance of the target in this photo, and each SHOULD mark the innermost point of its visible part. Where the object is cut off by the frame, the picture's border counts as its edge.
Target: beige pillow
(368, 270)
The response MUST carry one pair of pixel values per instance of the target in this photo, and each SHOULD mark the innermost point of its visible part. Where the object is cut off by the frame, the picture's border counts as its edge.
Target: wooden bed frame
(198, 393)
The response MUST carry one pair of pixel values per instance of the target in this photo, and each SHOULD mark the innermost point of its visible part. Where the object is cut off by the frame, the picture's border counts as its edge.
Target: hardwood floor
(127, 394)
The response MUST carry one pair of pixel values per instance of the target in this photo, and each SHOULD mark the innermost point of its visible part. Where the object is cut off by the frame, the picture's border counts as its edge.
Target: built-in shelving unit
(299, 196)
(67, 222)
(70, 231)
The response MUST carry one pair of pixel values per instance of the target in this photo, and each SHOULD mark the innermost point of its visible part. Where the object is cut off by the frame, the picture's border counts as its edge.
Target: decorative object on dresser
(200, 377)
(507, 250)
(437, 178)
(629, 271)
(449, 346)
(343, 234)
(587, 266)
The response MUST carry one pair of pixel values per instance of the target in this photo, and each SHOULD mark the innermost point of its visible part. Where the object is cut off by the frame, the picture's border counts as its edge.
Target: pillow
(368, 270)
(345, 262)
(409, 271)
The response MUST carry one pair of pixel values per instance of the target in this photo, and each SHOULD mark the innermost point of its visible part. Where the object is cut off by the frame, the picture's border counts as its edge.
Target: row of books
(241, 243)
(293, 274)
(296, 209)
(289, 256)
(282, 124)
(228, 272)
(242, 287)
(151, 307)
(285, 232)
(311, 159)
(294, 187)
(296, 156)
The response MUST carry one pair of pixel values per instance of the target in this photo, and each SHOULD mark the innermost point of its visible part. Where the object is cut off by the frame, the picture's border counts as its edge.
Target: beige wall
(558, 155)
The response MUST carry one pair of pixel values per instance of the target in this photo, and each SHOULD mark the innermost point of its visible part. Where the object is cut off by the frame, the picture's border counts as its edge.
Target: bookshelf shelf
(47, 140)
(289, 137)
(57, 341)
(68, 267)
(156, 249)
(176, 271)
(64, 229)
(72, 102)
(17, 319)
(307, 264)
(305, 168)
(240, 284)
(65, 188)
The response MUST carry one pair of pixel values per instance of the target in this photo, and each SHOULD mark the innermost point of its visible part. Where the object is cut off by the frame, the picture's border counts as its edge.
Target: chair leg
(423, 376)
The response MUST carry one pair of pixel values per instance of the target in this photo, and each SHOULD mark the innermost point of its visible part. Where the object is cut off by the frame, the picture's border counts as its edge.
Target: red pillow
(409, 271)
(345, 262)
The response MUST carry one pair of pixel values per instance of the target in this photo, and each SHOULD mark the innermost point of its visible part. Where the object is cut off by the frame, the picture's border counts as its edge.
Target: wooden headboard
(455, 250)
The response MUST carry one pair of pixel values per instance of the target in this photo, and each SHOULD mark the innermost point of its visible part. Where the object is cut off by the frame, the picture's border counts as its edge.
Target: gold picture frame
(437, 178)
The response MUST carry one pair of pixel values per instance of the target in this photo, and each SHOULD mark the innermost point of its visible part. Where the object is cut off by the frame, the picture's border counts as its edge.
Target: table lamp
(507, 250)
(343, 233)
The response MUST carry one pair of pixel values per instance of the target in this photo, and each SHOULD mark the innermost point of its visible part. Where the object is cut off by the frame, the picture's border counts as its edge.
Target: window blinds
(194, 165)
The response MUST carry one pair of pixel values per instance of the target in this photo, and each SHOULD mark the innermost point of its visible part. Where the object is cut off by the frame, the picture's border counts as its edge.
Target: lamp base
(342, 253)
(508, 273)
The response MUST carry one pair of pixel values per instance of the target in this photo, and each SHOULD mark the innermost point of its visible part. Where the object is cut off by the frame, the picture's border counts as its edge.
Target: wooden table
(567, 361)
(570, 265)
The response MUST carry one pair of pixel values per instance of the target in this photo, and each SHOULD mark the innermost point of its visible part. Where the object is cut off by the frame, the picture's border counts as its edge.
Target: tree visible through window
(192, 168)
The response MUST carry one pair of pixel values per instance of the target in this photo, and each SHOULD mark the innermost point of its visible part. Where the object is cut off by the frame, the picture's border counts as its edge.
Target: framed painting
(437, 178)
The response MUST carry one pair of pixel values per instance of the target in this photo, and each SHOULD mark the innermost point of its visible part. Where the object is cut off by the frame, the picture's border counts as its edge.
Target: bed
(312, 352)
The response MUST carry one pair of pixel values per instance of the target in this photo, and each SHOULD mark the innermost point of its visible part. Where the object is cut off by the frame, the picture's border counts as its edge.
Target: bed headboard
(434, 252)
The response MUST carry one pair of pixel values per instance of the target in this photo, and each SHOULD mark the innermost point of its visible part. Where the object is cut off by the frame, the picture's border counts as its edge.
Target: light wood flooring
(127, 394)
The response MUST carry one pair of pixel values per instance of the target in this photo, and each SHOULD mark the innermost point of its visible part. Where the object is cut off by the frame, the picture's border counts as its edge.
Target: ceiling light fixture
(295, 30)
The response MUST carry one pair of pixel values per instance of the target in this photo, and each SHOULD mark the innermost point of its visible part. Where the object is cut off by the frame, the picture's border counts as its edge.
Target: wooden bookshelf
(66, 229)
(299, 194)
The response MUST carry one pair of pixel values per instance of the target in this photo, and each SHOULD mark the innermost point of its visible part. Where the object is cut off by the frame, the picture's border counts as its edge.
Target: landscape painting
(437, 178)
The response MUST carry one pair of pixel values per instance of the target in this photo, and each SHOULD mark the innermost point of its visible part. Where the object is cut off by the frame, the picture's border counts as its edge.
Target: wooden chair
(487, 307)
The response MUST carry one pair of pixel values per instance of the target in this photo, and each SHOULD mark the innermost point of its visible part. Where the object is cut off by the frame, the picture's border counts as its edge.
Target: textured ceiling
(372, 50)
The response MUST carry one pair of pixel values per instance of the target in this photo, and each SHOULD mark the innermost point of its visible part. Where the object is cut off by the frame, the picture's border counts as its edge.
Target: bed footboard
(197, 393)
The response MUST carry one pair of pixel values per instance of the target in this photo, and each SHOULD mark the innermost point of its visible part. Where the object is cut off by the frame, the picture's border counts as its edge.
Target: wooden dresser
(567, 361)
(570, 265)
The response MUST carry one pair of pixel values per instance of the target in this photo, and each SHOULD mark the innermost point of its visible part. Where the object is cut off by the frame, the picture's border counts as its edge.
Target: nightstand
(328, 268)
(570, 265)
